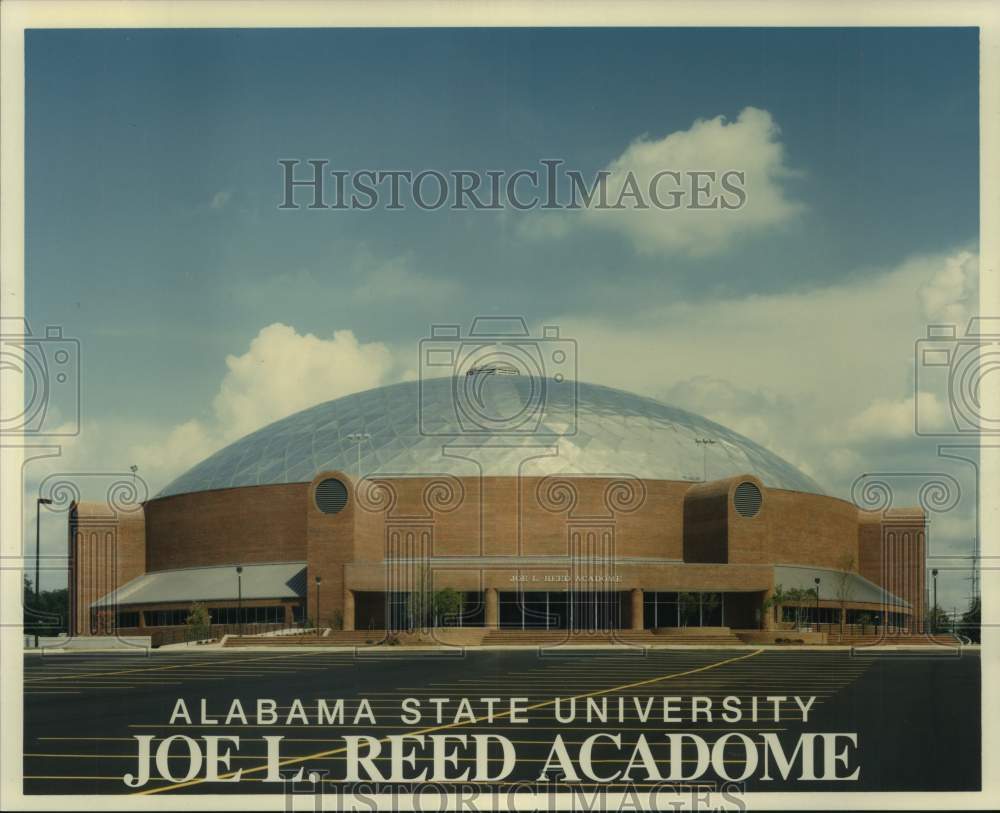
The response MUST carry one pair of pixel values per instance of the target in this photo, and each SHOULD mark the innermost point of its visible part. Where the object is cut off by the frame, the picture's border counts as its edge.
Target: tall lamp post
(239, 598)
(39, 502)
(319, 581)
(817, 602)
(704, 443)
(934, 607)
(359, 437)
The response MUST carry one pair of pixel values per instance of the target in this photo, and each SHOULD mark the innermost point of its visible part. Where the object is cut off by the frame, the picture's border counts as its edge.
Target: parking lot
(916, 716)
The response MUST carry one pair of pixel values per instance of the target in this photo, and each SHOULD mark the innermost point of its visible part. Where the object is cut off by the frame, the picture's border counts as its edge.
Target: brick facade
(503, 534)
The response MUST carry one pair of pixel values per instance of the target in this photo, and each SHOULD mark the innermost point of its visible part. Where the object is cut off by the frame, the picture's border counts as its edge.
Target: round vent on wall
(747, 500)
(331, 496)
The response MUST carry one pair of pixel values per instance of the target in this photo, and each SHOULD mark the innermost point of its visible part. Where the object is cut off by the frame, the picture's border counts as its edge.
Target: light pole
(704, 443)
(239, 597)
(358, 437)
(934, 607)
(319, 581)
(817, 602)
(39, 502)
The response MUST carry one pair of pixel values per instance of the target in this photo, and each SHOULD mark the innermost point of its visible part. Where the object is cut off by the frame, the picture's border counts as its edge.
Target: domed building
(543, 503)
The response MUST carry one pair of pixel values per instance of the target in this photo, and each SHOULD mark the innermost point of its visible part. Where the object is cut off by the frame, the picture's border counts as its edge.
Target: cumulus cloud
(281, 372)
(888, 418)
(750, 145)
(818, 376)
(949, 295)
(952, 294)
(761, 415)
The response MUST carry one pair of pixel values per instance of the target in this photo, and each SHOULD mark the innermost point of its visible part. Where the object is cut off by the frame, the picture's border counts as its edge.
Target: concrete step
(496, 637)
(334, 638)
(639, 637)
(902, 640)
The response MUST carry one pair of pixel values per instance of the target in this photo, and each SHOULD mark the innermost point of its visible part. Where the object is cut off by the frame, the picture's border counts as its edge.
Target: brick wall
(107, 548)
(233, 525)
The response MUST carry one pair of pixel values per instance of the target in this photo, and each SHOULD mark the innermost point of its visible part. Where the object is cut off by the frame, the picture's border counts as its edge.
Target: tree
(798, 596)
(199, 623)
(49, 613)
(971, 620)
(447, 604)
(844, 585)
(777, 599)
(794, 597)
(688, 607)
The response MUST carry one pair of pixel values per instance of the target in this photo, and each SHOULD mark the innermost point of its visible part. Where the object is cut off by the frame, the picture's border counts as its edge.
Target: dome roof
(492, 424)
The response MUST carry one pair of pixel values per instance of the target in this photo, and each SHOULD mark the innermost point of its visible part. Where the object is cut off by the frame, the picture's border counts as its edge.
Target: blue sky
(153, 233)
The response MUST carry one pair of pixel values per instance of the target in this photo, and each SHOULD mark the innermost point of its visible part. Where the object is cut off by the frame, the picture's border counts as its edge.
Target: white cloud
(221, 199)
(760, 415)
(395, 278)
(749, 145)
(817, 376)
(949, 295)
(888, 418)
(281, 372)
(952, 294)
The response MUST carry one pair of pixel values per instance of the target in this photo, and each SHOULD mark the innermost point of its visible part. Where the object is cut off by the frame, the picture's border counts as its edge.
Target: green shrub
(199, 623)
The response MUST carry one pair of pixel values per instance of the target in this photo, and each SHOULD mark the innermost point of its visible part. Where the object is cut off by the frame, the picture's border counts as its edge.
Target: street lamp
(239, 597)
(319, 580)
(358, 437)
(817, 602)
(934, 607)
(39, 502)
(704, 443)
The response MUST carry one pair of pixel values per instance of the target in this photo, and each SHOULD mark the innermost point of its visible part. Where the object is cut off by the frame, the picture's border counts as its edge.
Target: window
(166, 618)
(127, 619)
(685, 609)
(274, 614)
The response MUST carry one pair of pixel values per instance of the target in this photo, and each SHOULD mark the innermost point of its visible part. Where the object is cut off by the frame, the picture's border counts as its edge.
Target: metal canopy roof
(857, 588)
(216, 583)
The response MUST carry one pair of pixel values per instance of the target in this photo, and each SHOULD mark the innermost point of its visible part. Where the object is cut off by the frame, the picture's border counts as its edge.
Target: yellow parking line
(321, 754)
